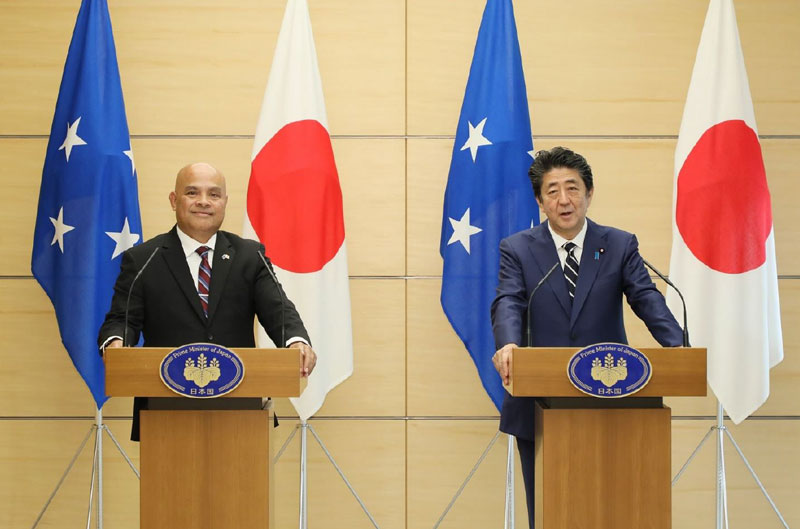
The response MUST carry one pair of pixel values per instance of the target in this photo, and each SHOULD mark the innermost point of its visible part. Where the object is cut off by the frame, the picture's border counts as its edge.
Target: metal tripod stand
(96, 482)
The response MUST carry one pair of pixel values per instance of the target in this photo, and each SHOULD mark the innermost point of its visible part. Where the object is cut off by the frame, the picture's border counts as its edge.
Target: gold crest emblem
(203, 372)
(608, 373)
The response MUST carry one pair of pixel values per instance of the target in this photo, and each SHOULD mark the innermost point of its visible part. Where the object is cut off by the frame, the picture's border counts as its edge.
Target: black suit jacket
(165, 307)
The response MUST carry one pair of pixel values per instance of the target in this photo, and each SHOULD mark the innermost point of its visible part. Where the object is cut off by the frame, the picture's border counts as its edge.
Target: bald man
(170, 305)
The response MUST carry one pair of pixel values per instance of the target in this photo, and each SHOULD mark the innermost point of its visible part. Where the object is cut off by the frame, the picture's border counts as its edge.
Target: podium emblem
(609, 370)
(202, 370)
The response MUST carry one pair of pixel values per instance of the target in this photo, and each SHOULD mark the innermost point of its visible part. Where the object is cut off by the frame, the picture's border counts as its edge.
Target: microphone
(670, 283)
(530, 298)
(128, 302)
(280, 292)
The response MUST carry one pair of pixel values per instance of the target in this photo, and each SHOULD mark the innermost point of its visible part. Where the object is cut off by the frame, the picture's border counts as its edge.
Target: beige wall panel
(34, 39)
(442, 379)
(374, 214)
(633, 191)
(38, 378)
(179, 60)
(773, 451)
(428, 163)
(22, 162)
(440, 456)
(372, 456)
(372, 174)
(629, 63)
(377, 386)
(33, 456)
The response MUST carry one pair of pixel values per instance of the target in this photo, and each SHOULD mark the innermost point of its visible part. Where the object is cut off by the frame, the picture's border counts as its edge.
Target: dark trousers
(527, 455)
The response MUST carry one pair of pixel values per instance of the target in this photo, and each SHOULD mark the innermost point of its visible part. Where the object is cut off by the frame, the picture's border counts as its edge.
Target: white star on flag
(124, 239)
(532, 153)
(462, 230)
(72, 138)
(476, 138)
(129, 154)
(61, 229)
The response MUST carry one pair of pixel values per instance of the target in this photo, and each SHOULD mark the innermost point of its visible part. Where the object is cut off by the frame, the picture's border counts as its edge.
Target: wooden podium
(205, 463)
(604, 463)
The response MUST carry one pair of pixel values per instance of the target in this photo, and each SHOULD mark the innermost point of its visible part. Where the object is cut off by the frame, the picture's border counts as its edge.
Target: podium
(205, 463)
(604, 463)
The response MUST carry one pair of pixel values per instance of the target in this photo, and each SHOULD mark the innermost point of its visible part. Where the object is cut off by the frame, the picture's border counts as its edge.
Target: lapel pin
(225, 256)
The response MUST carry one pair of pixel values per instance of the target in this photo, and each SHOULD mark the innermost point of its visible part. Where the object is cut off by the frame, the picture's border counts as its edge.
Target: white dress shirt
(561, 241)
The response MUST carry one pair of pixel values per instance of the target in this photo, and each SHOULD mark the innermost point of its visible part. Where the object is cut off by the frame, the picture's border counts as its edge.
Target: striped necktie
(203, 277)
(571, 268)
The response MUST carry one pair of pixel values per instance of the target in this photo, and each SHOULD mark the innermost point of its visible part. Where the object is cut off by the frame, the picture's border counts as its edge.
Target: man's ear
(172, 198)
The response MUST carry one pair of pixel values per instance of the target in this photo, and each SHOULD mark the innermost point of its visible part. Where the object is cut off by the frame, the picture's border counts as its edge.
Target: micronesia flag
(488, 195)
(88, 204)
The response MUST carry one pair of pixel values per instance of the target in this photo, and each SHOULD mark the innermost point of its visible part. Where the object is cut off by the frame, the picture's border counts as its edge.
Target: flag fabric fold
(294, 205)
(88, 210)
(488, 195)
(723, 241)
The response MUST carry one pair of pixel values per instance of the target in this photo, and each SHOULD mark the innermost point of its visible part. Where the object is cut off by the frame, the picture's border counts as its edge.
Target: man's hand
(309, 358)
(503, 361)
(114, 343)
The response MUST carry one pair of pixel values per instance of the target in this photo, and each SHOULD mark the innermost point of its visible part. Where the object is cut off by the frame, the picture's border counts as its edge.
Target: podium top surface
(134, 371)
(542, 372)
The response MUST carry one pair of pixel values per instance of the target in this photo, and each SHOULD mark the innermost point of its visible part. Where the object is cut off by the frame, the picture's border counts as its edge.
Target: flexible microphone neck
(280, 293)
(528, 341)
(670, 283)
(130, 290)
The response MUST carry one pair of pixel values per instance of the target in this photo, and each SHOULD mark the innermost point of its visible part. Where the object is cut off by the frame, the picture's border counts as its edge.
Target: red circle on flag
(723, 209)
(294, 201)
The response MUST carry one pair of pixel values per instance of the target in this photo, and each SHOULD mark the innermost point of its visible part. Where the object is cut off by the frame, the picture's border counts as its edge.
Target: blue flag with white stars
(88, 202)
(488, 195)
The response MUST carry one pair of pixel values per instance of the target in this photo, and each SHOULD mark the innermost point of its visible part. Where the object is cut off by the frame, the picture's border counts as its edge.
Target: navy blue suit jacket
(610, 267)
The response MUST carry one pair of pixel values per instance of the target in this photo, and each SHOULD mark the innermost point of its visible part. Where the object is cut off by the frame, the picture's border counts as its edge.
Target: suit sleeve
(114, 324)
(271, 314)
(509, 304)
(645, 299)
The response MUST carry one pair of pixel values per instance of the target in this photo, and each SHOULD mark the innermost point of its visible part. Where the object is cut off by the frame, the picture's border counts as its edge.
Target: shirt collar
(578, 239)
(190, 245)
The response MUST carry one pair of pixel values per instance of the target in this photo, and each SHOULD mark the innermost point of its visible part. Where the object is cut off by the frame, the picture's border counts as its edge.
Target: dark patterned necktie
(571, 268)
(203, 277)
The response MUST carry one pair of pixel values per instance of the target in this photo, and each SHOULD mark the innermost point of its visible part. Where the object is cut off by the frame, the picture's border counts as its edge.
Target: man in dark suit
(201, 285)
(578, 305)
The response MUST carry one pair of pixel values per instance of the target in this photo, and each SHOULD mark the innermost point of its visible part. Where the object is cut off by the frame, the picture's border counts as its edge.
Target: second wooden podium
(603, 463)
(205, 463)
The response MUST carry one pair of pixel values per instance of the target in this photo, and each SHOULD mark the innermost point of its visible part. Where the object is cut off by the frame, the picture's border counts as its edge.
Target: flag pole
(721, 431)
(303, 519)
(99, 455)
(509, 507)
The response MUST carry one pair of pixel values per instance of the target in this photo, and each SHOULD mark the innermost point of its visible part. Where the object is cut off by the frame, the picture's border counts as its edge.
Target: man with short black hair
(576, 308)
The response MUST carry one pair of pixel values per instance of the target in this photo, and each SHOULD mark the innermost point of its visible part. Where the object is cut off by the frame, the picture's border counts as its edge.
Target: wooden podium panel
(134, 371)
(603, 468)
(542, 372)
(205, 469)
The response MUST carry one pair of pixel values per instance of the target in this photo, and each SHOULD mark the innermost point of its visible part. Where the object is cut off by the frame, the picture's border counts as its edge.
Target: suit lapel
(545, 255)
(176, 262)
(224, 254)
(590, 264)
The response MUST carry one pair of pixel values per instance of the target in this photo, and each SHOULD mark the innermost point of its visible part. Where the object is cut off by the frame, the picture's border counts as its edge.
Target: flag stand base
(509, 501)
(304, 428)
(722, 496)
(97, 471)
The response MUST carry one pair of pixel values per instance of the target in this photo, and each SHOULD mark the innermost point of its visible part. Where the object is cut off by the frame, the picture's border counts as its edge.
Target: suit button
(210, 336)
